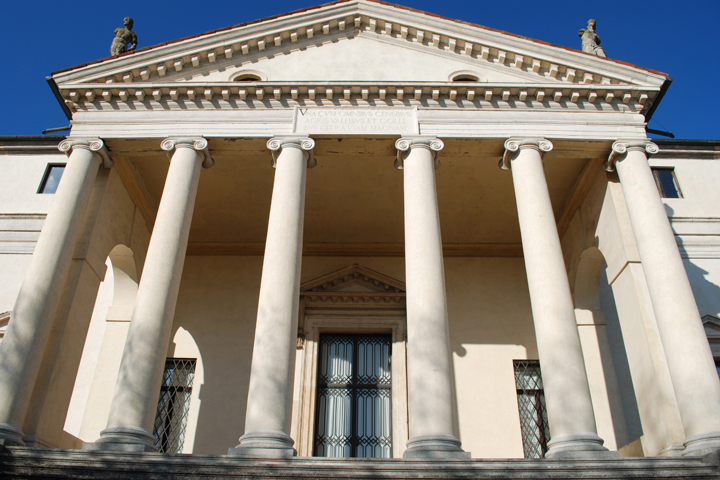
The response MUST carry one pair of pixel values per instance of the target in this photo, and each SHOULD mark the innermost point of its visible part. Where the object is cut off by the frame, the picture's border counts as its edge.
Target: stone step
(21, 462)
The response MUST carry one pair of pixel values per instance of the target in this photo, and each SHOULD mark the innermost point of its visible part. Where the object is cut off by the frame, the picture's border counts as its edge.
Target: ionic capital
(405, 145)
(94, 145)
(513, 146)
(305, 144)
(199, 144)
(621, 147)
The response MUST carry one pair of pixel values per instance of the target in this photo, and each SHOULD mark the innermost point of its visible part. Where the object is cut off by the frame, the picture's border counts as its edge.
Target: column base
(123, 439)
(674, 450)
(578, 446)
(435, 447)
(264, 444)
(11, 436)
(699, 445)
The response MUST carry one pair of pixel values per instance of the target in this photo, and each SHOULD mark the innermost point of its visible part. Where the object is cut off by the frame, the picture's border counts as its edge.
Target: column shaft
(27, 334)
(689, 358)
(431, 403)
(134, 403)
(269, 404)
(567, 394)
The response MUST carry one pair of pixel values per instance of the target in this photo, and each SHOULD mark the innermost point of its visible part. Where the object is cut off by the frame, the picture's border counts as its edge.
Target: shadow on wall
(705, 289)
(490, 322)
(619, 357)
(217, 306)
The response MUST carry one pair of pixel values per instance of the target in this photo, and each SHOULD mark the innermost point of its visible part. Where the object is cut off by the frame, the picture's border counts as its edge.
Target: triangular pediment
(356, 57)
(4, 320)
(353, 279)
(357, 40)
(712, 327)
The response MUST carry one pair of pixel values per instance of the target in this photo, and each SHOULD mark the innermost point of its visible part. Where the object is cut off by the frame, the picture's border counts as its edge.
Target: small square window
(667, 183)
(51, 179)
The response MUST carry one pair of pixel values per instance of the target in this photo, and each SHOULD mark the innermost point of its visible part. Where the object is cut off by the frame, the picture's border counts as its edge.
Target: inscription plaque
(355, 121)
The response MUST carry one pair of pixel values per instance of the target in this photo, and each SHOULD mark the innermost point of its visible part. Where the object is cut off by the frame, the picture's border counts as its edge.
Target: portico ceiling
(354, 199)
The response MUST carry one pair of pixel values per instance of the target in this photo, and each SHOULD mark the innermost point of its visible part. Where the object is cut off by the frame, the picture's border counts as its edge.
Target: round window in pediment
(249, 76)
(466, 76)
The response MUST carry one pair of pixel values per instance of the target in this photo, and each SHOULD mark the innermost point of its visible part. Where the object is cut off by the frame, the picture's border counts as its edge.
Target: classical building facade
(361, 230)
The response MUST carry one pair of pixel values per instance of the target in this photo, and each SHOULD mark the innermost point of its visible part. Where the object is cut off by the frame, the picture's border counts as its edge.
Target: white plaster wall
(22, 211)
(21, 176)
(695, 218)
(12, 271)
(704, 275)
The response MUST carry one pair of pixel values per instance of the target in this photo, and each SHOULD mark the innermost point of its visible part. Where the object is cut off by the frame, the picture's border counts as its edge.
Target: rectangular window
(173, 405)
(354, 397)
(51, 178)
(531, 404)
(667, 183)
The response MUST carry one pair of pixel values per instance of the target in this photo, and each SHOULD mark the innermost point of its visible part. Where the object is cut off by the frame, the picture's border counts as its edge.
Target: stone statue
(123, 37)
(590, 40)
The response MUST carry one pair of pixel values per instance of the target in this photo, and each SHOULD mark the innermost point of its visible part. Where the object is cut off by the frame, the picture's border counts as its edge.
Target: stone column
(569, 406)
(689, 359)
(431, 403)
(134, 404)
(27, 334)
(269, 403)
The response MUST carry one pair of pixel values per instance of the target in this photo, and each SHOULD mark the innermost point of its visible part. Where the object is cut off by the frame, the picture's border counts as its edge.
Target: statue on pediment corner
(591, 40)
(124, 37)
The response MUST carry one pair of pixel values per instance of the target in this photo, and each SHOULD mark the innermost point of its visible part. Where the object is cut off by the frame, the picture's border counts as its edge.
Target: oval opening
(248, 77)
(464, 77)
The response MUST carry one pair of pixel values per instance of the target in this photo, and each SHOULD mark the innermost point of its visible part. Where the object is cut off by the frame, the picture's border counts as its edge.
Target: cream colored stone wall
(490, 326)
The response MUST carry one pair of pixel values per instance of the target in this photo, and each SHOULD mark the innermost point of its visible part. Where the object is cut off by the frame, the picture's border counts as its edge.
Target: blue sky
(678, 38)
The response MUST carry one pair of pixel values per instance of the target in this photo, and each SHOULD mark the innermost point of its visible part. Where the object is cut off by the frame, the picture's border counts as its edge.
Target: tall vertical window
(51, 178)
(531, 404)
(353, 397)
(173, 405)
(667, 183)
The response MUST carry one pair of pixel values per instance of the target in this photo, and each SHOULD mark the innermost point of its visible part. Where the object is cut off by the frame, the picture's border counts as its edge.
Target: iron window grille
(174, 404)
(666, 182)
(354, 401)
(531, 406)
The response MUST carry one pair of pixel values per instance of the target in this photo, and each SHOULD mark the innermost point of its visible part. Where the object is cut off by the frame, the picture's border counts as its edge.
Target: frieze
(358, 121)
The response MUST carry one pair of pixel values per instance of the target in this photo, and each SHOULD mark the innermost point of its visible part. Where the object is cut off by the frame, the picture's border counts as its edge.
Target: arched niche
(599, 352)
(125, 283)
(100, 362)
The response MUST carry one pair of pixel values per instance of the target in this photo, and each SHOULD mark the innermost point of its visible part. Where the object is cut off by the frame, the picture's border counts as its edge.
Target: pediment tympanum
(360, 51)
(712, 331)
(354, 287)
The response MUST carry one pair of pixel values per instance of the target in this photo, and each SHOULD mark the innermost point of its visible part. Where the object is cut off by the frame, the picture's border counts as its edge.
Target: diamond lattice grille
(173, 405)
(354, 397)
(531, 406)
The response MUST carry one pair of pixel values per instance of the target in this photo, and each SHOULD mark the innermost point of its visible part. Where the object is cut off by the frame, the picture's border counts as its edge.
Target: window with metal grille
(353, 408)
(666, 182)
(531, 405)
(173, 405)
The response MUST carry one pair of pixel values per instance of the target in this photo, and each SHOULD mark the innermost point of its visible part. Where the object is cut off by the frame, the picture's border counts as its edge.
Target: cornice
(287, 95)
